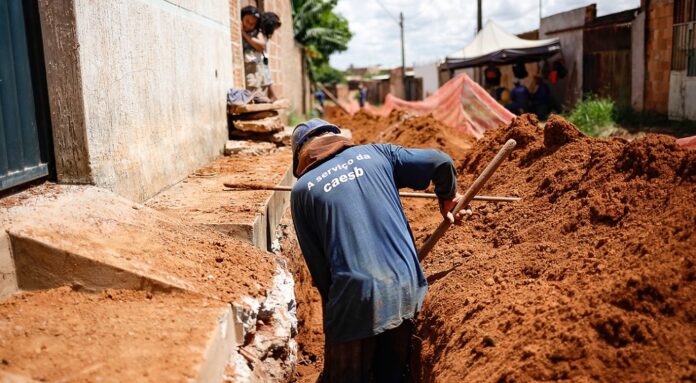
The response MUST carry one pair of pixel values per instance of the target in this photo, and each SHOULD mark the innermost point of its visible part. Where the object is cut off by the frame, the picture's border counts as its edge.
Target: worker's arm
(416, 168)
(308, 238)
(258, 42)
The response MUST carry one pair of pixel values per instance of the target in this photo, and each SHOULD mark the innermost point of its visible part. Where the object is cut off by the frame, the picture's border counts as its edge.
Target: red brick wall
(659, 55)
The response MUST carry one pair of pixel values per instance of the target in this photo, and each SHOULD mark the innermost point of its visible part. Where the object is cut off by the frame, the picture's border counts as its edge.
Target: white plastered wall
(154, 78)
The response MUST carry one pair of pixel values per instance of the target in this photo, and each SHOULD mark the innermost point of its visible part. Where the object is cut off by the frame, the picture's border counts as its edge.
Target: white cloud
(435, 28)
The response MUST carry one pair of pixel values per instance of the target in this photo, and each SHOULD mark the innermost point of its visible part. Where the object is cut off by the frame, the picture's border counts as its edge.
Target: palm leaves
(321, 31)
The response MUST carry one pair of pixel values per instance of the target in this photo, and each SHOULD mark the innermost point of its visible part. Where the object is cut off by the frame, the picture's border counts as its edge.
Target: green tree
(322, 32)
(326, 74)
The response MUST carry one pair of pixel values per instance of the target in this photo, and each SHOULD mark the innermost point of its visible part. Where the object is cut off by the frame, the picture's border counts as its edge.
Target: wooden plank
(256, 115)
(266, 125)
(251, 108)
(64, 77)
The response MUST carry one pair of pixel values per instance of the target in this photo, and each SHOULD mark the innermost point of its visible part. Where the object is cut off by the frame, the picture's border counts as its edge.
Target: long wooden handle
(333, 98)
(467, 197)
(253, 186)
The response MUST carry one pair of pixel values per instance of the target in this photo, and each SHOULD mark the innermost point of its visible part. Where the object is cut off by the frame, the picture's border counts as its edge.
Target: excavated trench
(589, 278)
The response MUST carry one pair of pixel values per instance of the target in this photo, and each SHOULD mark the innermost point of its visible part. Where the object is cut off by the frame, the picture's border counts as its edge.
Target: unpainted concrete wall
(8, 276)
(659, 55)
(154, 74)
(567, 26)
(429, 74)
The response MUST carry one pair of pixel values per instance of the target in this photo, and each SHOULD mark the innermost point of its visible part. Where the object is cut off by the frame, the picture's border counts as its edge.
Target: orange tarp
(461, 103)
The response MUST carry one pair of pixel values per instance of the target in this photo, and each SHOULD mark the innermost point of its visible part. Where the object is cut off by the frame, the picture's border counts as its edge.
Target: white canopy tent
(493, 45)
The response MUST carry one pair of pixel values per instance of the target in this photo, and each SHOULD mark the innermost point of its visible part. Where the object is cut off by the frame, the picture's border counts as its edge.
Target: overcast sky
(435, 28)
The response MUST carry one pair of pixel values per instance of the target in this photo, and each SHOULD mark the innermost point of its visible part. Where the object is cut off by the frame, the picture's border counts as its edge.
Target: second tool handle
(467, 197)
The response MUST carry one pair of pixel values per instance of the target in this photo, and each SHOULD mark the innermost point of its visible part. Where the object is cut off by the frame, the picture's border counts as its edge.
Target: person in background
(519, 99)
(491, 78)
(540, 100)
(502, 95)
(268, 24)
(256, 30)
(320, 97)
(253, 45)
(362, 95)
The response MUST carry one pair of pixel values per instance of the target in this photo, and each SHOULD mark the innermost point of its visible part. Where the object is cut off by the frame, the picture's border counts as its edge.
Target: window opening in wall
(684, 37)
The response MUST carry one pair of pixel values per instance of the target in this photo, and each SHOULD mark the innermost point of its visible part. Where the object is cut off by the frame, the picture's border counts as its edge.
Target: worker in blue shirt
(358, 246)
(519, 97)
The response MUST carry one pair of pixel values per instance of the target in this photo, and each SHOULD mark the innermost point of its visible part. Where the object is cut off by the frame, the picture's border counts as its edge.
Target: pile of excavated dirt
(589, 278)
(403, 129)
(426, 132)
(363, 125)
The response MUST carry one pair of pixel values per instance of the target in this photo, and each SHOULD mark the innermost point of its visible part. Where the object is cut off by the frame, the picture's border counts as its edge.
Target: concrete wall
(659, 55)
(149, 90)
(682, 96)
(567, 26)
(638, 62)
(429, 74)
(8, 277)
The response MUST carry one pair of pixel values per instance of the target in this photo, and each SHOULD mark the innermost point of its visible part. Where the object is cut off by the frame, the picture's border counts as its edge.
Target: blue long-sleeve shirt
(356, 240)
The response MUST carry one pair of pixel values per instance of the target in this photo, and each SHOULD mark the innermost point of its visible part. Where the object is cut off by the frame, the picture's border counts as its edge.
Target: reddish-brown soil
(403, 129)
(589, 278)
(62, 335)
(364, 126)
(426, 132)
(137, 238)
(199, 199)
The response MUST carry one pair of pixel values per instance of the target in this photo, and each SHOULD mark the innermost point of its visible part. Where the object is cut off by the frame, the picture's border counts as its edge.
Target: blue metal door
(20, 147)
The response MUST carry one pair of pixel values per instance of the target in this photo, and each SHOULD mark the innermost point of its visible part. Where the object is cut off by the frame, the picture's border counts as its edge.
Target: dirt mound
(589, 278)
(425, 132)
(364, 126)
(402, 129)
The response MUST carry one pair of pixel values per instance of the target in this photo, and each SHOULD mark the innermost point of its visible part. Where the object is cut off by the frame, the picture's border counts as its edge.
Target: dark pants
(380, 358)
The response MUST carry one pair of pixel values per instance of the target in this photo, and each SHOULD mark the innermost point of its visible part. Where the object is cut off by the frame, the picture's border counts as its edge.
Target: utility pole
(540, 16)
(479, 17)
(403, 55)
(478, 73)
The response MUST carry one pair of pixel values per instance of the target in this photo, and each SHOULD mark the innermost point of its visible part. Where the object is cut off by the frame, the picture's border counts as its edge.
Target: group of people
(257, 30)
(520, 99)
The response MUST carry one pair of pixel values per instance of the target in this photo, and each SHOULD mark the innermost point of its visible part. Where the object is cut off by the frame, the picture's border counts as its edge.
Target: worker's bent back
(356, 239)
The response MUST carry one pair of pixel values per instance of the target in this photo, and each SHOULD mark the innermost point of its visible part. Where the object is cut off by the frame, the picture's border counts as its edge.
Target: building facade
(128, 95)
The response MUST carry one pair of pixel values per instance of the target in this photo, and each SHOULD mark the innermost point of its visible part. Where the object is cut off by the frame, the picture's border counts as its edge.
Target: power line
(387, 11)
